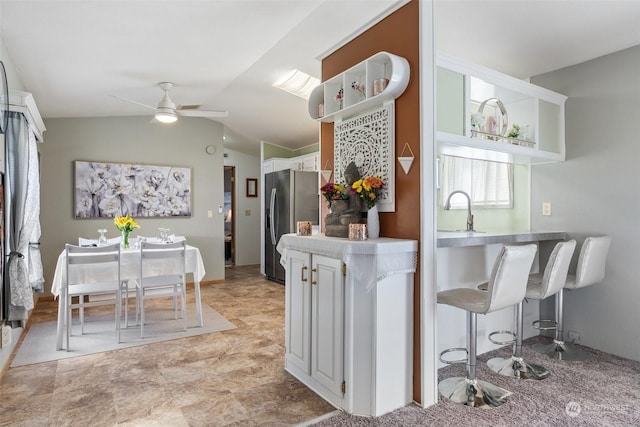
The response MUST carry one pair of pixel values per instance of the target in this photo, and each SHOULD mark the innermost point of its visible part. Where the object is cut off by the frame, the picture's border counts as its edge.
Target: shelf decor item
(340, 98)
(379, 85)
(494, 125)
(360, 90)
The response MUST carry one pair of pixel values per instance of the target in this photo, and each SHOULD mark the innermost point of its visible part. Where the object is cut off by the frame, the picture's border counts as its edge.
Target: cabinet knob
(302, 278)
(313, 282)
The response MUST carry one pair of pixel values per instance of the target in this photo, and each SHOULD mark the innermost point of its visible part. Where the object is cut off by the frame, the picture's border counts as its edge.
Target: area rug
(100, 334)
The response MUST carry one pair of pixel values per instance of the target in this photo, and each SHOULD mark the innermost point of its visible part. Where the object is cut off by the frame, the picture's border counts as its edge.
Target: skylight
(298, 83)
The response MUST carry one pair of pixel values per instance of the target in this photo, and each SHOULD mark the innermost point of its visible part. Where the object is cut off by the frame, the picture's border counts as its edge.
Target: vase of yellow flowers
(368, 189)
(125, 224)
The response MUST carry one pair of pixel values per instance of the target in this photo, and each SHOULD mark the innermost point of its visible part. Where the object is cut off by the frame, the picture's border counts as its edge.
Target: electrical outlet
(209, 214)
(546, 208)
(247, 212)
(573, 336)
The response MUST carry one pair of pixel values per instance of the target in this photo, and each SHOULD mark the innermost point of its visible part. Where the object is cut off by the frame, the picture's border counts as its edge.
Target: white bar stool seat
(506, 287)
(590, 270)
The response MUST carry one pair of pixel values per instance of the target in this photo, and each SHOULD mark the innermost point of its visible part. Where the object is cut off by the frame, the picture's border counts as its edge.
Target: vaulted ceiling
(225, 55)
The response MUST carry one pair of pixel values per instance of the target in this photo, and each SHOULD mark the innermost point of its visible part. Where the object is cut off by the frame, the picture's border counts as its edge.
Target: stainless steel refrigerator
(290, 196)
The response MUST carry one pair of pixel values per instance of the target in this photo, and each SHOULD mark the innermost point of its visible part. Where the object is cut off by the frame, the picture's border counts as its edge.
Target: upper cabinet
(380, 78)
(483, 114)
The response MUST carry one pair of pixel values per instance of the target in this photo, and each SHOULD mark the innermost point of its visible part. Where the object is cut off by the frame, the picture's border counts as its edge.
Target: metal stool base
(474, 393)
(561, 351)
(516, 367)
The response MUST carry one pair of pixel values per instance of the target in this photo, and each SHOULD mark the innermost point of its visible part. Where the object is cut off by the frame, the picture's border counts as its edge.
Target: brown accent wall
(398, 33)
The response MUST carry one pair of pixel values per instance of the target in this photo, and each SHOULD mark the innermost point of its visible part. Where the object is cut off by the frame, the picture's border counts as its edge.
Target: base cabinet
(314, 336)
(348, 325)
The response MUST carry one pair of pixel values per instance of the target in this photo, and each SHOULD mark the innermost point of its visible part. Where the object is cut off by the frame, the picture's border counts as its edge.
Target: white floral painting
(104, 190)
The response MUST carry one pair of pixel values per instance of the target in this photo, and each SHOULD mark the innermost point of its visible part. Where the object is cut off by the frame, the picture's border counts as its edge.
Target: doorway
(229, 210)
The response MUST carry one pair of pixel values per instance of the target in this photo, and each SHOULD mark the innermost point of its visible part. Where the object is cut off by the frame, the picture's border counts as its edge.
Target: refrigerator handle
(272, 206)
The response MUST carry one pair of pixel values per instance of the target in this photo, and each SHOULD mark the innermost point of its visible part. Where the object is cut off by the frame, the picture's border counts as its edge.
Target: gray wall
(596, 192)
(132, 140)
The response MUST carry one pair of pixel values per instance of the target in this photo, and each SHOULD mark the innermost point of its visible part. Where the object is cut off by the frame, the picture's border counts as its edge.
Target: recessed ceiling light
(298, 83)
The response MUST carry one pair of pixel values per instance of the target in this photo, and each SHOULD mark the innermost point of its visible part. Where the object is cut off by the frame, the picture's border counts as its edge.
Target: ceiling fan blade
(202, 113)
(131, 101)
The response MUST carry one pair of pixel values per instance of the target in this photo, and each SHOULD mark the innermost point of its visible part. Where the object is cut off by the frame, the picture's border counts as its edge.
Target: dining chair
(162, 275)
(83, 241)
(93, 270)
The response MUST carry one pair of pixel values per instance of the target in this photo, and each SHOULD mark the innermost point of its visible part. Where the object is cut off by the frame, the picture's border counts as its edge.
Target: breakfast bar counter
(450, 239)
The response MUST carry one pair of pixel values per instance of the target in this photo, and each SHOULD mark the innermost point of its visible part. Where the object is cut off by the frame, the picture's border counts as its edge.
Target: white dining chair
(162, 275)
(93, 270)
(82, 241)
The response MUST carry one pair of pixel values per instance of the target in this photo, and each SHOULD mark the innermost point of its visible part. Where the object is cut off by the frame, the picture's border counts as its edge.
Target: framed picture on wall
(104, 190)
(252, 187)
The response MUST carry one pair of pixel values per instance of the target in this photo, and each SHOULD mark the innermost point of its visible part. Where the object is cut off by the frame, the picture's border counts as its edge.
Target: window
(489, 184)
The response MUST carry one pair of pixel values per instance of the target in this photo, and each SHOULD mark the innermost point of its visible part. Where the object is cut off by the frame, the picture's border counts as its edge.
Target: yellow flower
(125, 223)
(368, 189)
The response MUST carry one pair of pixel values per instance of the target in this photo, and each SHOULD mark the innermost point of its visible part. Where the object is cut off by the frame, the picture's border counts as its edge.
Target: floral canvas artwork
(104, 190)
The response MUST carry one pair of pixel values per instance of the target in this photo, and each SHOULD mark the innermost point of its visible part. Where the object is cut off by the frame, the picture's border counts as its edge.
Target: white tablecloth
(129, 270)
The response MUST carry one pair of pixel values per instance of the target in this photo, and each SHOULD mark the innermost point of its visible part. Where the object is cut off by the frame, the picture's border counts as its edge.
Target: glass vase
(124, 242)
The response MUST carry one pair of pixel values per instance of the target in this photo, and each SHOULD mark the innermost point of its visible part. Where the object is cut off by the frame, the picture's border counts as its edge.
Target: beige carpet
(602, 391)
(100, 334)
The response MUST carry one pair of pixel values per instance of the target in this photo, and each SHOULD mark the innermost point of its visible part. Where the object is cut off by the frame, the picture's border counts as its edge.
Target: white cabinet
(310, 162)
(348, 335)
(275, 164)
(307, 162)
(477, 110)
(382, 77)
(314, 332)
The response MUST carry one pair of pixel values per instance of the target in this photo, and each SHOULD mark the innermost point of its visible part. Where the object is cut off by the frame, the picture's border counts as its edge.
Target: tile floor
(230, 378)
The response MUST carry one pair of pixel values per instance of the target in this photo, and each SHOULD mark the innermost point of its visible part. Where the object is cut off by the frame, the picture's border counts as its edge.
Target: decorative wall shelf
(385, 77)
(463, 115)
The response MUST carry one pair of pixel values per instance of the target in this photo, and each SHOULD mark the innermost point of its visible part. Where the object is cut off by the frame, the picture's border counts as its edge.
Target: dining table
(129, 270)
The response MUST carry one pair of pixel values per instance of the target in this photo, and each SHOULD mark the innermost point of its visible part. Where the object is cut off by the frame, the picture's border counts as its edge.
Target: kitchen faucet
(447, 206)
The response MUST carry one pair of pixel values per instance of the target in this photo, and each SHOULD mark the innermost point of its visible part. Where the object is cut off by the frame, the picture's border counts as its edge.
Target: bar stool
(553, 279)
(506, 287)
(590, 270)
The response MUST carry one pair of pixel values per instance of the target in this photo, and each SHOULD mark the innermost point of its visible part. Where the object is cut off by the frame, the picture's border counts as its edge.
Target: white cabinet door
(310, 162)
(327, 324)
(298, 311)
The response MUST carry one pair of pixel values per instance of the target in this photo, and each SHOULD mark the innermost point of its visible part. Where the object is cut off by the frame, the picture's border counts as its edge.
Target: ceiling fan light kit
(166, 111)
(165, 115)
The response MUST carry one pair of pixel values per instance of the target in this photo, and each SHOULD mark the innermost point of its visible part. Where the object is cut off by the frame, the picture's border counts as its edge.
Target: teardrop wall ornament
(327, 171)
(406, 161)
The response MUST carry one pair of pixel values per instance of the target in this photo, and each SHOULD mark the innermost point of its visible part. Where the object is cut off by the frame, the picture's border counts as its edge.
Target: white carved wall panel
(368, 140)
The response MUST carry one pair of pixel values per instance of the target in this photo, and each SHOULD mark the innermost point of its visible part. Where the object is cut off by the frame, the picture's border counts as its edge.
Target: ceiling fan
(166, 110)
